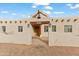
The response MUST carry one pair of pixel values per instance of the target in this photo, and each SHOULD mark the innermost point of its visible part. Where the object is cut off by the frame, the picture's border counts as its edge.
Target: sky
(25, 10)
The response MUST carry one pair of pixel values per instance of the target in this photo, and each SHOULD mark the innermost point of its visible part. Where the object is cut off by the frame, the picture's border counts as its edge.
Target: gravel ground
(38, 48)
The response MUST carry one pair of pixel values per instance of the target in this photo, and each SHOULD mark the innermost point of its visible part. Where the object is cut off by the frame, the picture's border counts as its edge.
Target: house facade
(58, 31)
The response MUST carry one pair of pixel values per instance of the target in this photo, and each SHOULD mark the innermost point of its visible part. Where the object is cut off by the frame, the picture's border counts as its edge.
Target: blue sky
(25, 10)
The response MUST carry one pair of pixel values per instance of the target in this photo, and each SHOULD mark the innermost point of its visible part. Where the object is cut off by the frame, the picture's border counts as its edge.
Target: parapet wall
(13, 22)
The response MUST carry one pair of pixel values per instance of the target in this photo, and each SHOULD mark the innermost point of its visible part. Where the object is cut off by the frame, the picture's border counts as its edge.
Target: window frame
(53, 28)
(4, 28)
(20, 28)
(67, 28)
(46, 28)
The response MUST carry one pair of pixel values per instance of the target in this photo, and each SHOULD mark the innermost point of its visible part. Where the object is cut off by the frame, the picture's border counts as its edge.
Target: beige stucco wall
(58, 38)
(61, 38)
(13, 36)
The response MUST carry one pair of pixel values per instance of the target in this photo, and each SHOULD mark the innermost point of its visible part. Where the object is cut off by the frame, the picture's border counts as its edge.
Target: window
(4, 28)
(67, 28)
(45, 28)
(53, 28)
(20, 28)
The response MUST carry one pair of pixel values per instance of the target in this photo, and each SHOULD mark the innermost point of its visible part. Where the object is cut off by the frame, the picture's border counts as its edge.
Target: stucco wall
(13, 36)
(61, 38)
